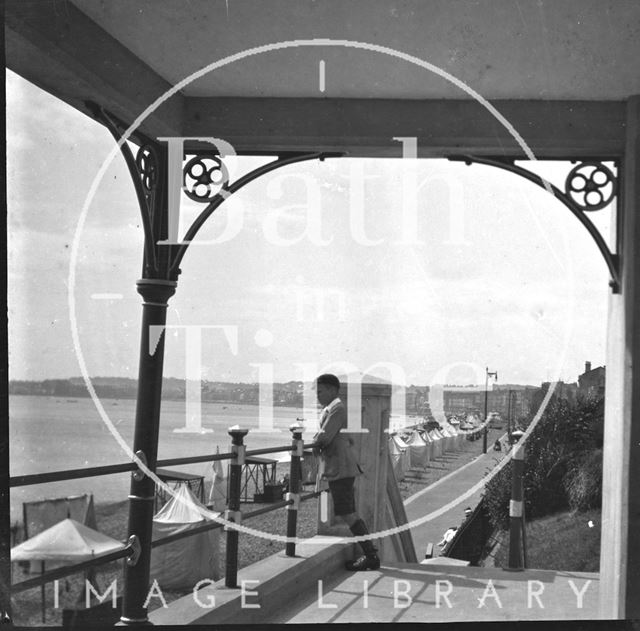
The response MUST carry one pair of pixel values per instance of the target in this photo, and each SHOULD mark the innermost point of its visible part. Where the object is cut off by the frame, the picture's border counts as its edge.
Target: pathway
(446, 492)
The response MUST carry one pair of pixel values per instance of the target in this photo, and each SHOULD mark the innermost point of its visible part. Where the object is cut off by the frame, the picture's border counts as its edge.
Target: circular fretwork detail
(591, 185)
(147, 167)
(204, 177)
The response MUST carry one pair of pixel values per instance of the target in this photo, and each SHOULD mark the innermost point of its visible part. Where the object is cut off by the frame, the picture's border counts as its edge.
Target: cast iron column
(233, 513)
(155, 294)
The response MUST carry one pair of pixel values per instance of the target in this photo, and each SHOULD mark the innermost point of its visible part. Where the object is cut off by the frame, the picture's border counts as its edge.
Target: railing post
(233, 513)
(293, 495)
(516, 511)
(155, 294)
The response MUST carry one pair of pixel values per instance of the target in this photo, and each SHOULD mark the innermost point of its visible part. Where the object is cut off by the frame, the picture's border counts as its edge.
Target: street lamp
(486, 395)
(512, 410)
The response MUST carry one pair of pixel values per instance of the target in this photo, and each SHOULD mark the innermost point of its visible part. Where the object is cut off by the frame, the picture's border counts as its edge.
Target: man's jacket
(335, 447)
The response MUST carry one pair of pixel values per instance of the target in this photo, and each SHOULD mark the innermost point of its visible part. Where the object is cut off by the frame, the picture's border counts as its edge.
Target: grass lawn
(564, 541)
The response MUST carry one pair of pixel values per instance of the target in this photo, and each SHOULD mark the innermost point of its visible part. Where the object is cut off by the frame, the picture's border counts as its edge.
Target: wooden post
(620, 545)
(42, 597)
(294, 487)
(5, 504)
(516, 512)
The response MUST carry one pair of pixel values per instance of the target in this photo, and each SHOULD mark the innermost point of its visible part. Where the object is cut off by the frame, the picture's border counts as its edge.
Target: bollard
(516, 511)
(294, 487)
(233, 513)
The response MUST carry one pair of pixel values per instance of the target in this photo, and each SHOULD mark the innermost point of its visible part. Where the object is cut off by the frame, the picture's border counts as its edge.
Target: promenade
(440, 592)
(313, 587)
(399, 593)
(444, 493)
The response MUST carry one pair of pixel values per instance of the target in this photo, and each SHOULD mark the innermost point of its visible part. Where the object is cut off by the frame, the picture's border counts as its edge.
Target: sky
(311, 265)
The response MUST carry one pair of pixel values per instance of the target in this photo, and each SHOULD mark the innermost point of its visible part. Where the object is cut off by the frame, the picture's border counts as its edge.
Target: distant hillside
(289, 393)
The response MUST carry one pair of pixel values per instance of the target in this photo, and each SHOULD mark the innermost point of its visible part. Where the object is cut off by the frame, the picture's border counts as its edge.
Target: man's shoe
(365, 562)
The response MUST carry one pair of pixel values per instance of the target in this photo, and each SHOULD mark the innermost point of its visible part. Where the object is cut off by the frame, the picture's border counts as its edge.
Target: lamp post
(511, 412)
(486, 396)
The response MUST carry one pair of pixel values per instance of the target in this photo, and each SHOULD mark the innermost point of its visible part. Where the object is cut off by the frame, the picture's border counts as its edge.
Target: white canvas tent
(448, 439)
(429, 442)
(67, 541)
(42, 514)
(64, 543)
(449, 432)
(183, 563)
(405, 459)
(437, 442)
(218, 491)
(399, 457)
(418, 450)
(395, 453)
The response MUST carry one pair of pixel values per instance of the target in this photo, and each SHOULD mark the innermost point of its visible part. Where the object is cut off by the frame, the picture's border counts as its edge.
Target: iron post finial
(237, 434)
(296, 428)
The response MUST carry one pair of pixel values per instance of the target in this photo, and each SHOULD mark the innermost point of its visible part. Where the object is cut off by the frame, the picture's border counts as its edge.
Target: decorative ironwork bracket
(202, 175)
(589, 186)
(205, 171)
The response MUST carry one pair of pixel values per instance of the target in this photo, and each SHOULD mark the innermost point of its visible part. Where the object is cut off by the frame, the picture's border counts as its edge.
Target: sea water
(55, 433)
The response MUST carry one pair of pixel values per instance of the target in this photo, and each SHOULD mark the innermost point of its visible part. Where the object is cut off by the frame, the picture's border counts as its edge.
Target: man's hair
(329, 380)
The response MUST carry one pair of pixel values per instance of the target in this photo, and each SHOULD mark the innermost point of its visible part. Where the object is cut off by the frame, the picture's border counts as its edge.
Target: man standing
(339, 467)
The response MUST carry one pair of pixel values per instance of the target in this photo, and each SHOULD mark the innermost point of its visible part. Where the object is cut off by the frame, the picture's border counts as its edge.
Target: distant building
(417, 400)
(562, 390)
(591, 381)
(462, 400)
(521, 399)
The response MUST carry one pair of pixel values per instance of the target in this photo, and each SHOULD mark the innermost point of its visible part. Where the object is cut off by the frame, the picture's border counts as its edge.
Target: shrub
(563, 463)
(496, 498)
(583, 481)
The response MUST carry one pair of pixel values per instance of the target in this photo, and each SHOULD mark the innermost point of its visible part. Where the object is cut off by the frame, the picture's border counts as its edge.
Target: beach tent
(445, 440)
(454, 432)
(437, 442)
(396, 454)
(418, 451)
(449, 443)
(430, 445)
(458, 437)
(66, 542)
(399, 457)
(405, 459)
(218, 491)
(183, 563)
(40, 515)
